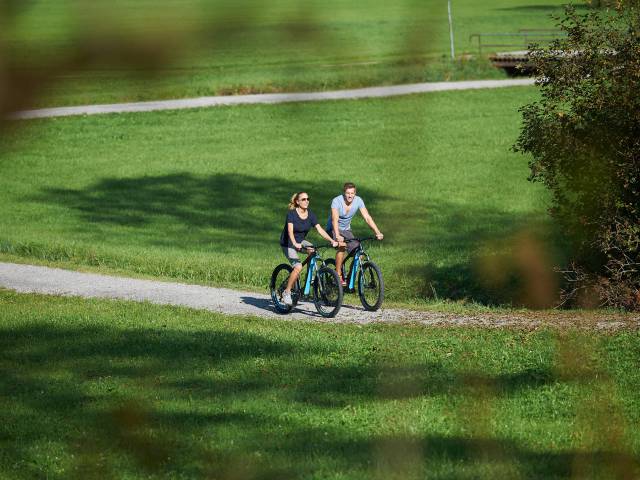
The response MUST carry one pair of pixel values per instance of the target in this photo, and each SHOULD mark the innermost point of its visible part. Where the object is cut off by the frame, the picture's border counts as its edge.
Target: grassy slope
(200, 195)
(227, 47)
(91, 389)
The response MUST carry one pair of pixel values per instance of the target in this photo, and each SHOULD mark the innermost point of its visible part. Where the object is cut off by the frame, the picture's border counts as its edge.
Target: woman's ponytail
(292, 203)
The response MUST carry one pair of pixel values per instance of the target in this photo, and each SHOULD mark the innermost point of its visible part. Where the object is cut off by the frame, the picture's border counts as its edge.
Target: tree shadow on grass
(232, 213)
(108, 401)
(482, 255)
(184, 210)
(549, 8)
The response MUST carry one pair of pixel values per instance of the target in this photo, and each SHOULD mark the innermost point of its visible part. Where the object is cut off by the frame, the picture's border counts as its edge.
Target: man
(343, 209)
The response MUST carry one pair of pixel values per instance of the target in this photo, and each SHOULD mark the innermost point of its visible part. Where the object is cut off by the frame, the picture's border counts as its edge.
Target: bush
(584, 139)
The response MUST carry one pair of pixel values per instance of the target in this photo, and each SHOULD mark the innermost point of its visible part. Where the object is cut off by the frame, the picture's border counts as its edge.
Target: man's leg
(351, 245)
(339, 261)
(340, 254)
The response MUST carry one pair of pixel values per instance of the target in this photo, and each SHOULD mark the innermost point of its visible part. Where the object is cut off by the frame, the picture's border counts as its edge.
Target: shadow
(239, 218)
(261, 303)
(461, 241)
(54, 383)
(411, 456)
(210, 398)
(186, 211)
(266, 304)
(550, 8)
(337, 386)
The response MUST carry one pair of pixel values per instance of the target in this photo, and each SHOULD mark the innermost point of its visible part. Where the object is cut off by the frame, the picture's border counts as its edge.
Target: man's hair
(347, 186)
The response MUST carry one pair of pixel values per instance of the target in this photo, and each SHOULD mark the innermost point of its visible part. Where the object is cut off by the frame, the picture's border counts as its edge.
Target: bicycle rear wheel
(278, 283)
(370, 286)
(327, 292)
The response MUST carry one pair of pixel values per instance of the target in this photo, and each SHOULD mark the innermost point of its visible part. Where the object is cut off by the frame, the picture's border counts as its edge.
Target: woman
(298, 223)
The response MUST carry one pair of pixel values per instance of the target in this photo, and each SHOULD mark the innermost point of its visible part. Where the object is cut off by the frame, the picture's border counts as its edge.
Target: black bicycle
(359, 266)
(322, 280)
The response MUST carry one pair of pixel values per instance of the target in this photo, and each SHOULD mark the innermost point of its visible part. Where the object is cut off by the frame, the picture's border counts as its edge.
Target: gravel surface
(202, 102)
(54, 281)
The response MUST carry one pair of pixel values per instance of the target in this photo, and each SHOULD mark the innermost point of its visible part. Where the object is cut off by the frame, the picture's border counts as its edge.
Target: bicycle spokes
(327, 292)
(370, 286)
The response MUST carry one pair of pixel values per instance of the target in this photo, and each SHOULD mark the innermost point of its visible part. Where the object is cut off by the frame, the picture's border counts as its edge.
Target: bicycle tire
(370, 282)
(278, 283)
(327, 292)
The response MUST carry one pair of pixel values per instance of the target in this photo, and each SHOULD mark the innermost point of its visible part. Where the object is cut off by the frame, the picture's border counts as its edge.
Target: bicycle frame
(311, 262)
(357, 255)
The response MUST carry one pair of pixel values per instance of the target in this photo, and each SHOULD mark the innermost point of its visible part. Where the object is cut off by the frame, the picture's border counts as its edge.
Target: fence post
(453, 54)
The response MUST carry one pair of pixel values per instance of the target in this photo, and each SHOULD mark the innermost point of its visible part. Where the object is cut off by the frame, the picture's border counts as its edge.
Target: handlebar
(365, 239)
(320, 247)
(315, 247)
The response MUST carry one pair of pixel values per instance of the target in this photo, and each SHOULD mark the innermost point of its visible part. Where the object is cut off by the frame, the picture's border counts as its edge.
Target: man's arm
(335, 215)
(371, 223)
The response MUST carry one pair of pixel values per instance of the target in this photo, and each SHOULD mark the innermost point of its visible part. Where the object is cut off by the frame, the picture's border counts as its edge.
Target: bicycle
(368, 274)
(327, 289)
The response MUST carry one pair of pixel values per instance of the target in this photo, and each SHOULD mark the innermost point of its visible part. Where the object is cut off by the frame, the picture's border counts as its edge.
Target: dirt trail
(54, 281)
(203, 102)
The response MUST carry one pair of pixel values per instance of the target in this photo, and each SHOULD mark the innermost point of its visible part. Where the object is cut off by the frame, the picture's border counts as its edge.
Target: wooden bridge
(508, 58)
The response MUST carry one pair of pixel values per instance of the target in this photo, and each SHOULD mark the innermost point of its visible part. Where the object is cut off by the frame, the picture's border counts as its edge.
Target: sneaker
(342, 281)
(286, 298)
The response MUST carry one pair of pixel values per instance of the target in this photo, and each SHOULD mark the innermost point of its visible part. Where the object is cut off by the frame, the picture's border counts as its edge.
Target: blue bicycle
(360, 267)
(320, 280)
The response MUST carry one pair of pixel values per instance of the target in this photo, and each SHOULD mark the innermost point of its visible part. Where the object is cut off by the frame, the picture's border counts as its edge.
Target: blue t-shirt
(344, 218)
(300, 227)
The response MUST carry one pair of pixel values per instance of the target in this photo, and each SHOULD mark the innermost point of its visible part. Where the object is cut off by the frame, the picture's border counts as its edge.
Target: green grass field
(103, 389)
(194, 48)
(200, 196)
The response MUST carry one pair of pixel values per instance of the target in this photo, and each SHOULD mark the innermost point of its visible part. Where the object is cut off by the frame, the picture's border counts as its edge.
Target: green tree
(583, 136)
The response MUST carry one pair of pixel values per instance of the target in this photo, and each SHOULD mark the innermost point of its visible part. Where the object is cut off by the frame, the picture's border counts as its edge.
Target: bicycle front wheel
(279, 279)
(370, 286)
(327, 292)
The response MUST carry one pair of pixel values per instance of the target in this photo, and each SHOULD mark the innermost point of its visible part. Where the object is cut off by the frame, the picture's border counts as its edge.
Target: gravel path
(54, 281)
(270, 98)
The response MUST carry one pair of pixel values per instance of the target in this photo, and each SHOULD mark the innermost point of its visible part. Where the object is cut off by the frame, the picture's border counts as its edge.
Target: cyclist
(298, 223)
(343, 209)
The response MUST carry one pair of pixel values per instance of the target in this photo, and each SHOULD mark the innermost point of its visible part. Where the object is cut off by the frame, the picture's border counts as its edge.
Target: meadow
(106, 389)
(200, 196)
(105, 52)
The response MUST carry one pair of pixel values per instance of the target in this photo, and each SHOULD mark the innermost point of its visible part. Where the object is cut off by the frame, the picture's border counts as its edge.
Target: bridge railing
(520, 39)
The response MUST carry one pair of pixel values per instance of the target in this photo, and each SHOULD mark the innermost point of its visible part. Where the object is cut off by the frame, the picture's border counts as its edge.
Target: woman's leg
(295, 273)
(297, 266)
(294, 260)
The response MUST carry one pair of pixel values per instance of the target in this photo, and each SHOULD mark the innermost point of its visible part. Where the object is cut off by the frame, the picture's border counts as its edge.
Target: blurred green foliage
(583, 136)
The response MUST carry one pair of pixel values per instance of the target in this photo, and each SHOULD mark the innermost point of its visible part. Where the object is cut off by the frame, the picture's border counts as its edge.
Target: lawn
(103, 52)
(105, 389)
(200, 196)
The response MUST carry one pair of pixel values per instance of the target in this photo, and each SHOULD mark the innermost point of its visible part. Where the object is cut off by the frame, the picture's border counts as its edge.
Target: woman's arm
(292, 238)
(326, 236)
